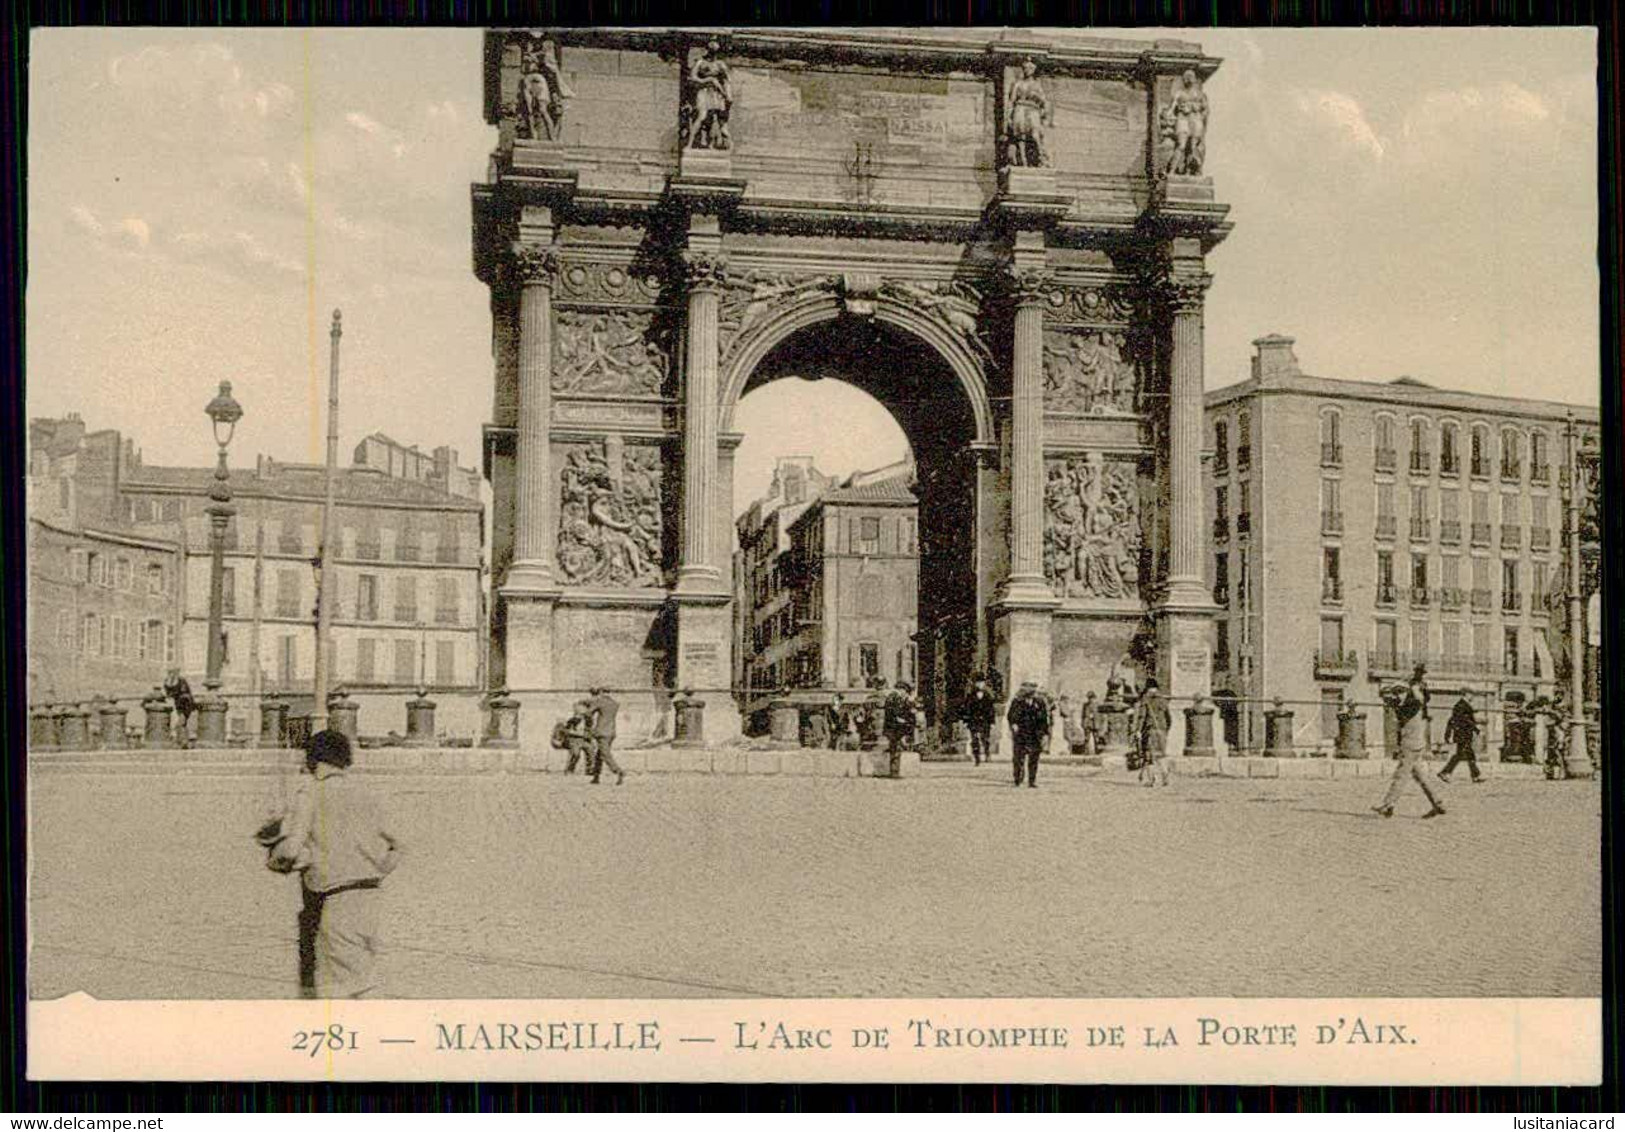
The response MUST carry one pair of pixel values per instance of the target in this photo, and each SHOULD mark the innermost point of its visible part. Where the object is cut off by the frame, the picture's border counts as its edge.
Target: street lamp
(224, 412)
(1576, 761)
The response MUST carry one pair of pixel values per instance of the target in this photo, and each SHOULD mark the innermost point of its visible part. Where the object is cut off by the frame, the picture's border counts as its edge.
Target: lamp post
(326, 572)
(224, 412)
(1576, 762)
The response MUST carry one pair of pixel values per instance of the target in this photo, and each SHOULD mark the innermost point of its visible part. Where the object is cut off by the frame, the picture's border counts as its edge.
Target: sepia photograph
(583, 513)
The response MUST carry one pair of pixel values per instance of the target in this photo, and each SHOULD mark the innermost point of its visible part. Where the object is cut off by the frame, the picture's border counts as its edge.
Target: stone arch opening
(943, 411)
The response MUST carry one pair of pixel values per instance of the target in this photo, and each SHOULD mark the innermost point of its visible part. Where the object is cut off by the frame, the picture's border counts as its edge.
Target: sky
(1406, 202)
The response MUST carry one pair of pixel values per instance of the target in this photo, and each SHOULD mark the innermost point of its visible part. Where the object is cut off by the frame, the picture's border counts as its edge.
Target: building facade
(1001, 235)
(408, 576)
(438, 469)
(837, 606)
(1360, 528)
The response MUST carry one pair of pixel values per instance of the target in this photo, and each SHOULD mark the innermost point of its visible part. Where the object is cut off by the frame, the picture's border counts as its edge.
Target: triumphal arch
(1001, 235)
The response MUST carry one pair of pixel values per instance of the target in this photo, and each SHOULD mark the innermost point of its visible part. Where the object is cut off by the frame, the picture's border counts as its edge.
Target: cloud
(239, 254)
(1343, 115)
(190, 75)
(130, 234)
(136, 229)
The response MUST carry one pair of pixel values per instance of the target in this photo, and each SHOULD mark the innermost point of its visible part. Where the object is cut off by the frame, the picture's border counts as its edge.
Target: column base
(528, 579)
(700, 583)
(1023, 646)
(1184, 662)
(1576, 764)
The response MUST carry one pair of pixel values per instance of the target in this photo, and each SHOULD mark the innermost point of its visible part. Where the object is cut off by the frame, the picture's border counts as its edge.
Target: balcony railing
(1380, 663)
(1540, 473)
(1385, 593)
(1481, 534)
(1386, 459)
(1421, 461)
(1481, 468)
(1421, 595)
(1338, 664)
(1244, 522)
(1511, 601)
(1449, 464)
(406, 613)
(1540, 538)
(1512, 537)
(1221, 528)
(1385, 526)
(1331, 589)
(1421, 529)
(1389, 663)
(1511, 469)
(1244, 456)
(1452, 597)
(1450, 532)
(1331, 455)
(1331, 522)
(1480, 600)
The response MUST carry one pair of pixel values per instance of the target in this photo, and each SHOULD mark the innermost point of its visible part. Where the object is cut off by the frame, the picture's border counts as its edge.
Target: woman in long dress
(1025, 119)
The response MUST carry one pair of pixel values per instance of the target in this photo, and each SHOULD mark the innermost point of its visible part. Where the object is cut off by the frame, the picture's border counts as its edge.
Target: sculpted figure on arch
(710, 93)
(1185, 117)
(542, 90)
(1026, 115)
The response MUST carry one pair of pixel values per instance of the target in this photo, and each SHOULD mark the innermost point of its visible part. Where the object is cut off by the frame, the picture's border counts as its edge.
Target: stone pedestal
(343, 716)
(110, 720)
(155, 733)
(1021, 181)
(1199, 730)
(211, 721)
(1179, 188)
(420, 721)
(705, 661)
(1114, 721)
(73, 727)
(1022, 645)
(874, 722)
(1184, 665)
(1278, 733)
(705, 164)
(688, 723)
(502, 721)
(528, 641)
(1351, 734)
(273, 721)
(784, 722)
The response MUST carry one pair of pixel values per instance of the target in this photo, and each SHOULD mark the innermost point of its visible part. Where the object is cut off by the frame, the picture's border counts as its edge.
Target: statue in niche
(1089, 373)
(1092, 529)
(608, 355)
(1184, 123)
(710, 100)
(1026, 115)
(609, 516)
(542, 90)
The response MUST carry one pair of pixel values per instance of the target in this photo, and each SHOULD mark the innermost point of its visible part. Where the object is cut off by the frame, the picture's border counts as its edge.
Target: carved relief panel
(1092, 531)
(609, 353)
(611, 525)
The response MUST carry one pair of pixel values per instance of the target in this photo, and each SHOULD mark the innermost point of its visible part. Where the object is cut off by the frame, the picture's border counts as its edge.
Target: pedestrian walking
(576, 733)
(334, 835)
(1089, 725)
(1410, 705)
(604, 708)
(1462, 730)
(1150, 729)
(977, 713)
(899, 724)
(180, 694)
(1030, 725)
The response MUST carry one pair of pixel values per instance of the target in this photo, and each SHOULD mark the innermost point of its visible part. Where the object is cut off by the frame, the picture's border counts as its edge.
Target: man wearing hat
(899, 724)
(1150, 729)
(1410, 704)
(578, 738)
(1029, 718)
(604, 708)
(978, 712)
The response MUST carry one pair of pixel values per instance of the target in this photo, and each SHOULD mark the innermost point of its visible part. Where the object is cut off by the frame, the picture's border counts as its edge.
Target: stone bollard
(420, 720)
(1351, 734)
(41, 728)
(111, 719)
(688, 728)
(1278, 732)
(1199, 729)
(155, 734)
(874, 722)
(342, 716)
(273, 721)
(1114, 718)
(502, 721)
(211, 719)
(73, 728)
(784, 723)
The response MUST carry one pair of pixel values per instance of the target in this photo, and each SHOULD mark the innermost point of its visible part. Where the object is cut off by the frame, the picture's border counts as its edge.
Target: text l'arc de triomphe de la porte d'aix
(1002, 236)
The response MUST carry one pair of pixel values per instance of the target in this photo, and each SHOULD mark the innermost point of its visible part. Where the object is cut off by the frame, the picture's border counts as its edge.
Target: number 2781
(334, 1039)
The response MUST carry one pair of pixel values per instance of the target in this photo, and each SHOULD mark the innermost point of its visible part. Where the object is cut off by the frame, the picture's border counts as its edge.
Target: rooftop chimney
(1274, 357)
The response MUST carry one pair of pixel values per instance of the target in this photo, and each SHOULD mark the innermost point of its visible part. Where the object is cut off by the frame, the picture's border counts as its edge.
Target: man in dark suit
(1462, 730)
(900, 711)
(178, 690)
(604, 707)
(1029, 718)
(978, 713)
(1151, 723)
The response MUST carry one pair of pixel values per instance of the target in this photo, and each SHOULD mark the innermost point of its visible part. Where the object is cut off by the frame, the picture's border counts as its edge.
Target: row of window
(805, 668)
(1421, 592)
(115, 637)
(409, 659)
(1462, 648)
(115, 572)
(290, 598)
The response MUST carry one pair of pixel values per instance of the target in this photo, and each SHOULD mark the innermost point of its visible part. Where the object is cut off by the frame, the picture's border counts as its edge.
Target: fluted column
(1185, 409)
(1027, 438)
(699, 571)
(532, 571)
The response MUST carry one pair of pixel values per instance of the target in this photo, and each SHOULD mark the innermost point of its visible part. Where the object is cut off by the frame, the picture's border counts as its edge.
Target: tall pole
(1576, 763)
(327, 578)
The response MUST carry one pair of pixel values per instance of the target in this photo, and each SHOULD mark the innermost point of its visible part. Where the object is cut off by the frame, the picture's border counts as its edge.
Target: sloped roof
(353, 485)
(894, 489)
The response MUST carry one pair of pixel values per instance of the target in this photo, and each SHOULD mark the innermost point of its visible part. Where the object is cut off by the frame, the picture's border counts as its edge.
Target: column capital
(705, 271)
(1029, 286)
(1184, 294)
(534, 264)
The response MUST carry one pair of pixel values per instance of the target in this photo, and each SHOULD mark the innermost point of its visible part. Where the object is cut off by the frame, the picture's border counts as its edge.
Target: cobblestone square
(947, 884)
